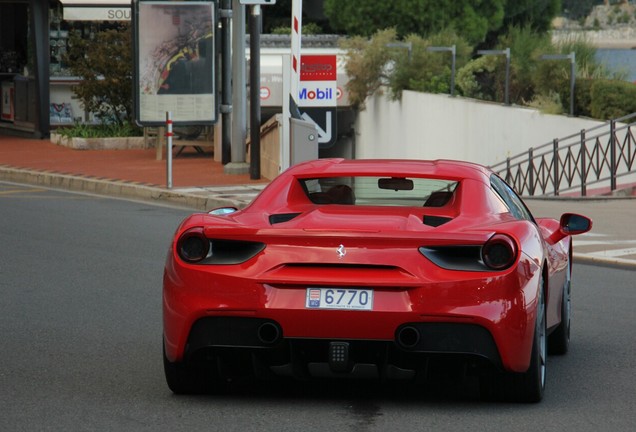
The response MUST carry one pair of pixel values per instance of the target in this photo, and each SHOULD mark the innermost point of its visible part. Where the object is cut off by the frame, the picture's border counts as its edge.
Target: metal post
(555, 166)
(238, 165)
(407, 45)
(505, 52)
(285, 140)
(226, 82)
(508, 174)
(507, 90)
(39, 18)
(169, 135)
(453, 68)
(255, 87)
(531, 189)
(612, 144)
(453, 51)
(572, 58)
(572, 81)
(583, 164)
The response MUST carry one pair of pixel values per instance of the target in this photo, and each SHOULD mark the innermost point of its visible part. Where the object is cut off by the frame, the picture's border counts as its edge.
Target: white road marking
(614, 253)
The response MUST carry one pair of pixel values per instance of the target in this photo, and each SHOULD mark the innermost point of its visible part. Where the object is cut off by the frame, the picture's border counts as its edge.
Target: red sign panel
(318, 68)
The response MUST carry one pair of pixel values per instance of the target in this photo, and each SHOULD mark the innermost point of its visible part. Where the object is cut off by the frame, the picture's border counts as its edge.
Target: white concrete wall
(429, 126)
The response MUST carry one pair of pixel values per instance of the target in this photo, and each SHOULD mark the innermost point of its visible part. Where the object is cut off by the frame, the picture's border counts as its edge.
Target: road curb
(202, 201)
(115, 188)
(581, 258)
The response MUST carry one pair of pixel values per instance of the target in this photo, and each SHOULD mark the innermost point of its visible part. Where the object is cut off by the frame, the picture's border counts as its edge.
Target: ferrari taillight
(193, 246)
(499, 252)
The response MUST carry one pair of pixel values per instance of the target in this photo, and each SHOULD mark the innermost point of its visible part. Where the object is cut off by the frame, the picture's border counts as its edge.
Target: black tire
(527, 386)
(559, 340)
(195, 376)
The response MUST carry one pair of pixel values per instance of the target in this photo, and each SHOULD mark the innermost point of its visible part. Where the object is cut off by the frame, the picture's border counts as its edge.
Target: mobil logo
(317, 94)
(311, 94)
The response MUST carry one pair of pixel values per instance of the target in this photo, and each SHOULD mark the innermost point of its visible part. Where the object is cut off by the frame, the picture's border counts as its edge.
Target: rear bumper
(477, 315)
(261, 344)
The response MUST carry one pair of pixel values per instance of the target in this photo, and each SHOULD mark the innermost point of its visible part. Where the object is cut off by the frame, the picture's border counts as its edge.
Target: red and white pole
(296, 35)
(169, 135)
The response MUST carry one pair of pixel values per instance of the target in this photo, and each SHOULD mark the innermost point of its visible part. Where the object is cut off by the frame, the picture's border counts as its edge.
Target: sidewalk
(200, 183)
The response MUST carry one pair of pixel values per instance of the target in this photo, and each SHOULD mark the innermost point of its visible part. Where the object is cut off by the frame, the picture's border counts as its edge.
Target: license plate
(339, 298)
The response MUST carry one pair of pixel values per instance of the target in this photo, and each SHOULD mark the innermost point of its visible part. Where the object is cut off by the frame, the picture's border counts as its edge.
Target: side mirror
(571, 224)
(221, 211)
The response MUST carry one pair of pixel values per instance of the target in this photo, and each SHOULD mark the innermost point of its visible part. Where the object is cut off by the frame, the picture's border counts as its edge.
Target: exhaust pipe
(408, 337)
(269, 333)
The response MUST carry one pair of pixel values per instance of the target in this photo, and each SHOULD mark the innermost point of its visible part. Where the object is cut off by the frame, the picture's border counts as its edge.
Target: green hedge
(612, 99)
(583, 97)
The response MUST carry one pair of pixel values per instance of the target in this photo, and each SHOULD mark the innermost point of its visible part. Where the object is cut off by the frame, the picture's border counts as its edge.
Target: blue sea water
(619, 60)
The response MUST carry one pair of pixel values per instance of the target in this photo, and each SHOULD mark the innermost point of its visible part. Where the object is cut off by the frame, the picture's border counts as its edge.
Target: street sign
(326, 124)
(317, 86)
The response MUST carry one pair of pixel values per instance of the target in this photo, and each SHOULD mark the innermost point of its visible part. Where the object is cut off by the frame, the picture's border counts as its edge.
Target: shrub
(489, 73)
(104, 65)
(526, 46)
(424, 70)
(583, 97)
(548, 104)
(612, 99)
(477, 78)
(367, 64)
(554, 75)
(80, 130)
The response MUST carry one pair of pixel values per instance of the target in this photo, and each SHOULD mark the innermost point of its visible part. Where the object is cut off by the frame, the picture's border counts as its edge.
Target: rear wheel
(527, 386)
(559, 341)
(532, 383)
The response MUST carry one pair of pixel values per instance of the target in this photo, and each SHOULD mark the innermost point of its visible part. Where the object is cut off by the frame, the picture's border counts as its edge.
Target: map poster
(175, 62)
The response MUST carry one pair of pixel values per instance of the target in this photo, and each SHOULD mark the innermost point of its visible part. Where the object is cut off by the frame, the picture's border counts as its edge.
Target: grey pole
(239, 92)
(169, 135)
(505, 52)
(255, 97)
(226, 82)
(507, 91)
(453, 50)
(572, 58)
(453, 68)
(572, 80)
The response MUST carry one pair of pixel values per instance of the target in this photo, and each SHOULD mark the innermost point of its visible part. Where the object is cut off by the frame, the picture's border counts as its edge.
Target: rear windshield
(382, 191)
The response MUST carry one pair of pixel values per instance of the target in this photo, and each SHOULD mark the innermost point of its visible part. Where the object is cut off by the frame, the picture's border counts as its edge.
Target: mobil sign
(317, 84)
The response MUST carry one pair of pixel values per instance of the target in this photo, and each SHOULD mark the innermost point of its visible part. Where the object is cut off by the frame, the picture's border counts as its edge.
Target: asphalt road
(80, 342)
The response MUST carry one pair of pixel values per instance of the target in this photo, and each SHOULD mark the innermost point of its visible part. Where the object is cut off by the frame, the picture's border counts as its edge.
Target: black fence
(595, 158)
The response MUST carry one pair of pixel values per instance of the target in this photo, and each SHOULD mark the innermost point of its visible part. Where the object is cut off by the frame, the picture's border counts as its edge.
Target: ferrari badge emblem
(341, 251)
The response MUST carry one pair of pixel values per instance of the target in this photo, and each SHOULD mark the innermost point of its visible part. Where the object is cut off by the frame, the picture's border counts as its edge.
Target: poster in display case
(175, 62)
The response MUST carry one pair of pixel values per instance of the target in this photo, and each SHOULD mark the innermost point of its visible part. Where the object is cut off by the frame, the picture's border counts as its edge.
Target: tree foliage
(423, 70)
(472, 19)
(575, 9)
(612, 99)
(366, 66)
(535, 14)
(484, 77)
(385, 61)
(104, 66)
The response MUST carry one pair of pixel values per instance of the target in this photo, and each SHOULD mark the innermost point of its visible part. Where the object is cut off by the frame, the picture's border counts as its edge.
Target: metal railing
(596, 157)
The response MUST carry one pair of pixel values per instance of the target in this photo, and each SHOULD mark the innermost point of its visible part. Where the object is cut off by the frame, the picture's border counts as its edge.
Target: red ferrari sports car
(370, 269)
